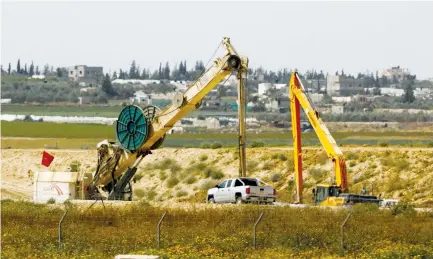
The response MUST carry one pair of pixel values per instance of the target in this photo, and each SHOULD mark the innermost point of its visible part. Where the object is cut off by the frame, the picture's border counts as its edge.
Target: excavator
(141, 130)
(336, 193)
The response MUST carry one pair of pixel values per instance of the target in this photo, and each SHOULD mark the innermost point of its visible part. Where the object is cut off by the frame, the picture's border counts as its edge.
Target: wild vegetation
(213, 232)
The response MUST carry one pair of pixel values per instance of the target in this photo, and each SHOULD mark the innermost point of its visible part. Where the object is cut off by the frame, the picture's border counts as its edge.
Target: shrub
(351, 156)
(317, 173)
(402, 164)
(251, 165)
(190, 180)
(216, 145)
(205, 145)
(257, 144)
(383, 144)
(403, 208)
(138, 177)
(181, 194)
(352, 163)
(51, 201)
(172, 181)
(162, 176)
(274, 156)
(321, 158)
(150, 195)
(203, 157)
(139, 193)
(217, 174)
(208, 184)
(275, 177)
(267, 166)
(282, 157)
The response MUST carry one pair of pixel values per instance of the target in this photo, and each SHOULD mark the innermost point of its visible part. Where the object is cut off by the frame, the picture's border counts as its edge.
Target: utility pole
(241, 115)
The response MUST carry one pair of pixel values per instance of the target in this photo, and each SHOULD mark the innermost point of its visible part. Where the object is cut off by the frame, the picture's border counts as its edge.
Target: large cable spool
(132, 128)
(150, 112)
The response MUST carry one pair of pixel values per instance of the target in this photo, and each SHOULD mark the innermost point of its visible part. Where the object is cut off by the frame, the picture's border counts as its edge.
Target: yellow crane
(138, 131)
(335, 194)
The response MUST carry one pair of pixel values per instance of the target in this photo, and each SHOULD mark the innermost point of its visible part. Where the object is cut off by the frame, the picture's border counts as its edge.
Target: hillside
(185, 174)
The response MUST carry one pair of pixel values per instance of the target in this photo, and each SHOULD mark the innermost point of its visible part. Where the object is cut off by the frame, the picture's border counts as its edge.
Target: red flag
(47, 159)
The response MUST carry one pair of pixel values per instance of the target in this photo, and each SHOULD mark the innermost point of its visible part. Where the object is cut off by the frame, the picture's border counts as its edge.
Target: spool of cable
(132, 128)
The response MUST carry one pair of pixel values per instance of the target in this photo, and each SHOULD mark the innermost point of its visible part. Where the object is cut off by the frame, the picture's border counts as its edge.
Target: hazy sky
(331, 36)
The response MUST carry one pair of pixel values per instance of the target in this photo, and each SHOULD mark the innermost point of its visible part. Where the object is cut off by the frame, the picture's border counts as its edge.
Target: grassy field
(112, 110)
(87, 135)
(30, 230)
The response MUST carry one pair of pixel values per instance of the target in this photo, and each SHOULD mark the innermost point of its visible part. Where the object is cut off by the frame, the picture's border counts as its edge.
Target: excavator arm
(140, 131)
(299, 97)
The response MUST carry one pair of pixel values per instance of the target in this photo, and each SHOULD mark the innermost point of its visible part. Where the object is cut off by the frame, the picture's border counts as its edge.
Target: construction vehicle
(336, 193)
(141, 130)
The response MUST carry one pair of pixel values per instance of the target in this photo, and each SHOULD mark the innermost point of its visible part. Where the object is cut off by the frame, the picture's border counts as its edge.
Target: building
(135, 81)
(92, 76)
(141, 98)
(264, 87)
(344, 86)
(395, 73)
(337, 109)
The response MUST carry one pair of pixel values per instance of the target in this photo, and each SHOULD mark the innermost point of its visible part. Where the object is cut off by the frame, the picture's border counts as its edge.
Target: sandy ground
(17, 182)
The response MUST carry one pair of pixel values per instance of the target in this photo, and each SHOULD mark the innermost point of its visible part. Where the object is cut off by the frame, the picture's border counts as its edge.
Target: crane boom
(299, 97)
(115, 158)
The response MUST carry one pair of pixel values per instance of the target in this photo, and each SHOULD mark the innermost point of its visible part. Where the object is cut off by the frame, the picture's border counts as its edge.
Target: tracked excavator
(337, 192)
(141, 130)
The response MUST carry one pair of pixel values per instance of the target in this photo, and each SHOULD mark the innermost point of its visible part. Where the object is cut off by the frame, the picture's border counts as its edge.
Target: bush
(351, 156)
(208, 184)
(317, 173)
(251, 165)
(282, 157)
(217, 174)
(172, 181)
(275, 177)
(181, 194)
(267, 166)
(138, 177)
(383, 144)
(51, 201)
(203, 157)
(403, 208)
(162, 176)
(352, 163)
(150, 195)
(139, 193)
(191, 180)
(205, 145)
(216, 145)
(257, 144)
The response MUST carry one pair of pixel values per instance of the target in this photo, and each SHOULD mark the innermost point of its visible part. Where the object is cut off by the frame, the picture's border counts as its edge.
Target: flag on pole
(47, 159)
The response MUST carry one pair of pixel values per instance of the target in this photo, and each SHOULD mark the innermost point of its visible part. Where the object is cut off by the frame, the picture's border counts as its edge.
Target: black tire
(211, 200)
(239, 200)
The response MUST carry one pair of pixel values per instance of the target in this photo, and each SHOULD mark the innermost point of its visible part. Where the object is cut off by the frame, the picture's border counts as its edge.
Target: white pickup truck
(242, 190)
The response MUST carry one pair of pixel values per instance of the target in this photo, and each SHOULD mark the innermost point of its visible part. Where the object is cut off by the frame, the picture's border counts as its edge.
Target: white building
(135, 81)
(141, 98)
(391, 91)
(395, 72)
(264, 87)
(337, 109)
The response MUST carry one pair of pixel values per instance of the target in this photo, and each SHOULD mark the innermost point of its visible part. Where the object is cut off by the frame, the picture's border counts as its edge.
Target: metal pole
(255, 226)
(60, 230)
(159, 227)
(242, 122)
(342, 232)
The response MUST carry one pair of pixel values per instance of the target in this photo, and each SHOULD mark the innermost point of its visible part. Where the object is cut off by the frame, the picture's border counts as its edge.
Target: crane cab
(328, 195)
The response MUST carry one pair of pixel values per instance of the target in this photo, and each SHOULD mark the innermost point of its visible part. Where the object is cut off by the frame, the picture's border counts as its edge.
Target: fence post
(254, 229)
(60, 230)
(158, 235)
(342, 232)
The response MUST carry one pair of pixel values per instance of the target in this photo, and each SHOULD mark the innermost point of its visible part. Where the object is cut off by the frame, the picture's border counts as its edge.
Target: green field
(214, 232)
(77, 136)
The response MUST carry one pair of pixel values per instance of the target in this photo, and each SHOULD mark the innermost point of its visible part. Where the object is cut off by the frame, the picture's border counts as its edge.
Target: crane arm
(114, 160)
(298, 97)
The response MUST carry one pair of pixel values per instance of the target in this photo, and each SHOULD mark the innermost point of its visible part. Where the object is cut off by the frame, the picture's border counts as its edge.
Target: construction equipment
(140, 130)
(335, 194)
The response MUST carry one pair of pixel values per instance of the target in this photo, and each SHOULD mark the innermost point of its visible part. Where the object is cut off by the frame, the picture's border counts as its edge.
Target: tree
(19, 66)
(408, 96)
(132, 70)
(32, 69)
(59, 72)
(106, 85)
(160, 74)
(46, 69)
(9, 69)
(114, 77)
(167, 71)
(37, 72)
(25, 69)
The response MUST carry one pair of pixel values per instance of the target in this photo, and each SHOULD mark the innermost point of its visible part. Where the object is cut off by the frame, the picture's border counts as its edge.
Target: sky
(328, 36)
